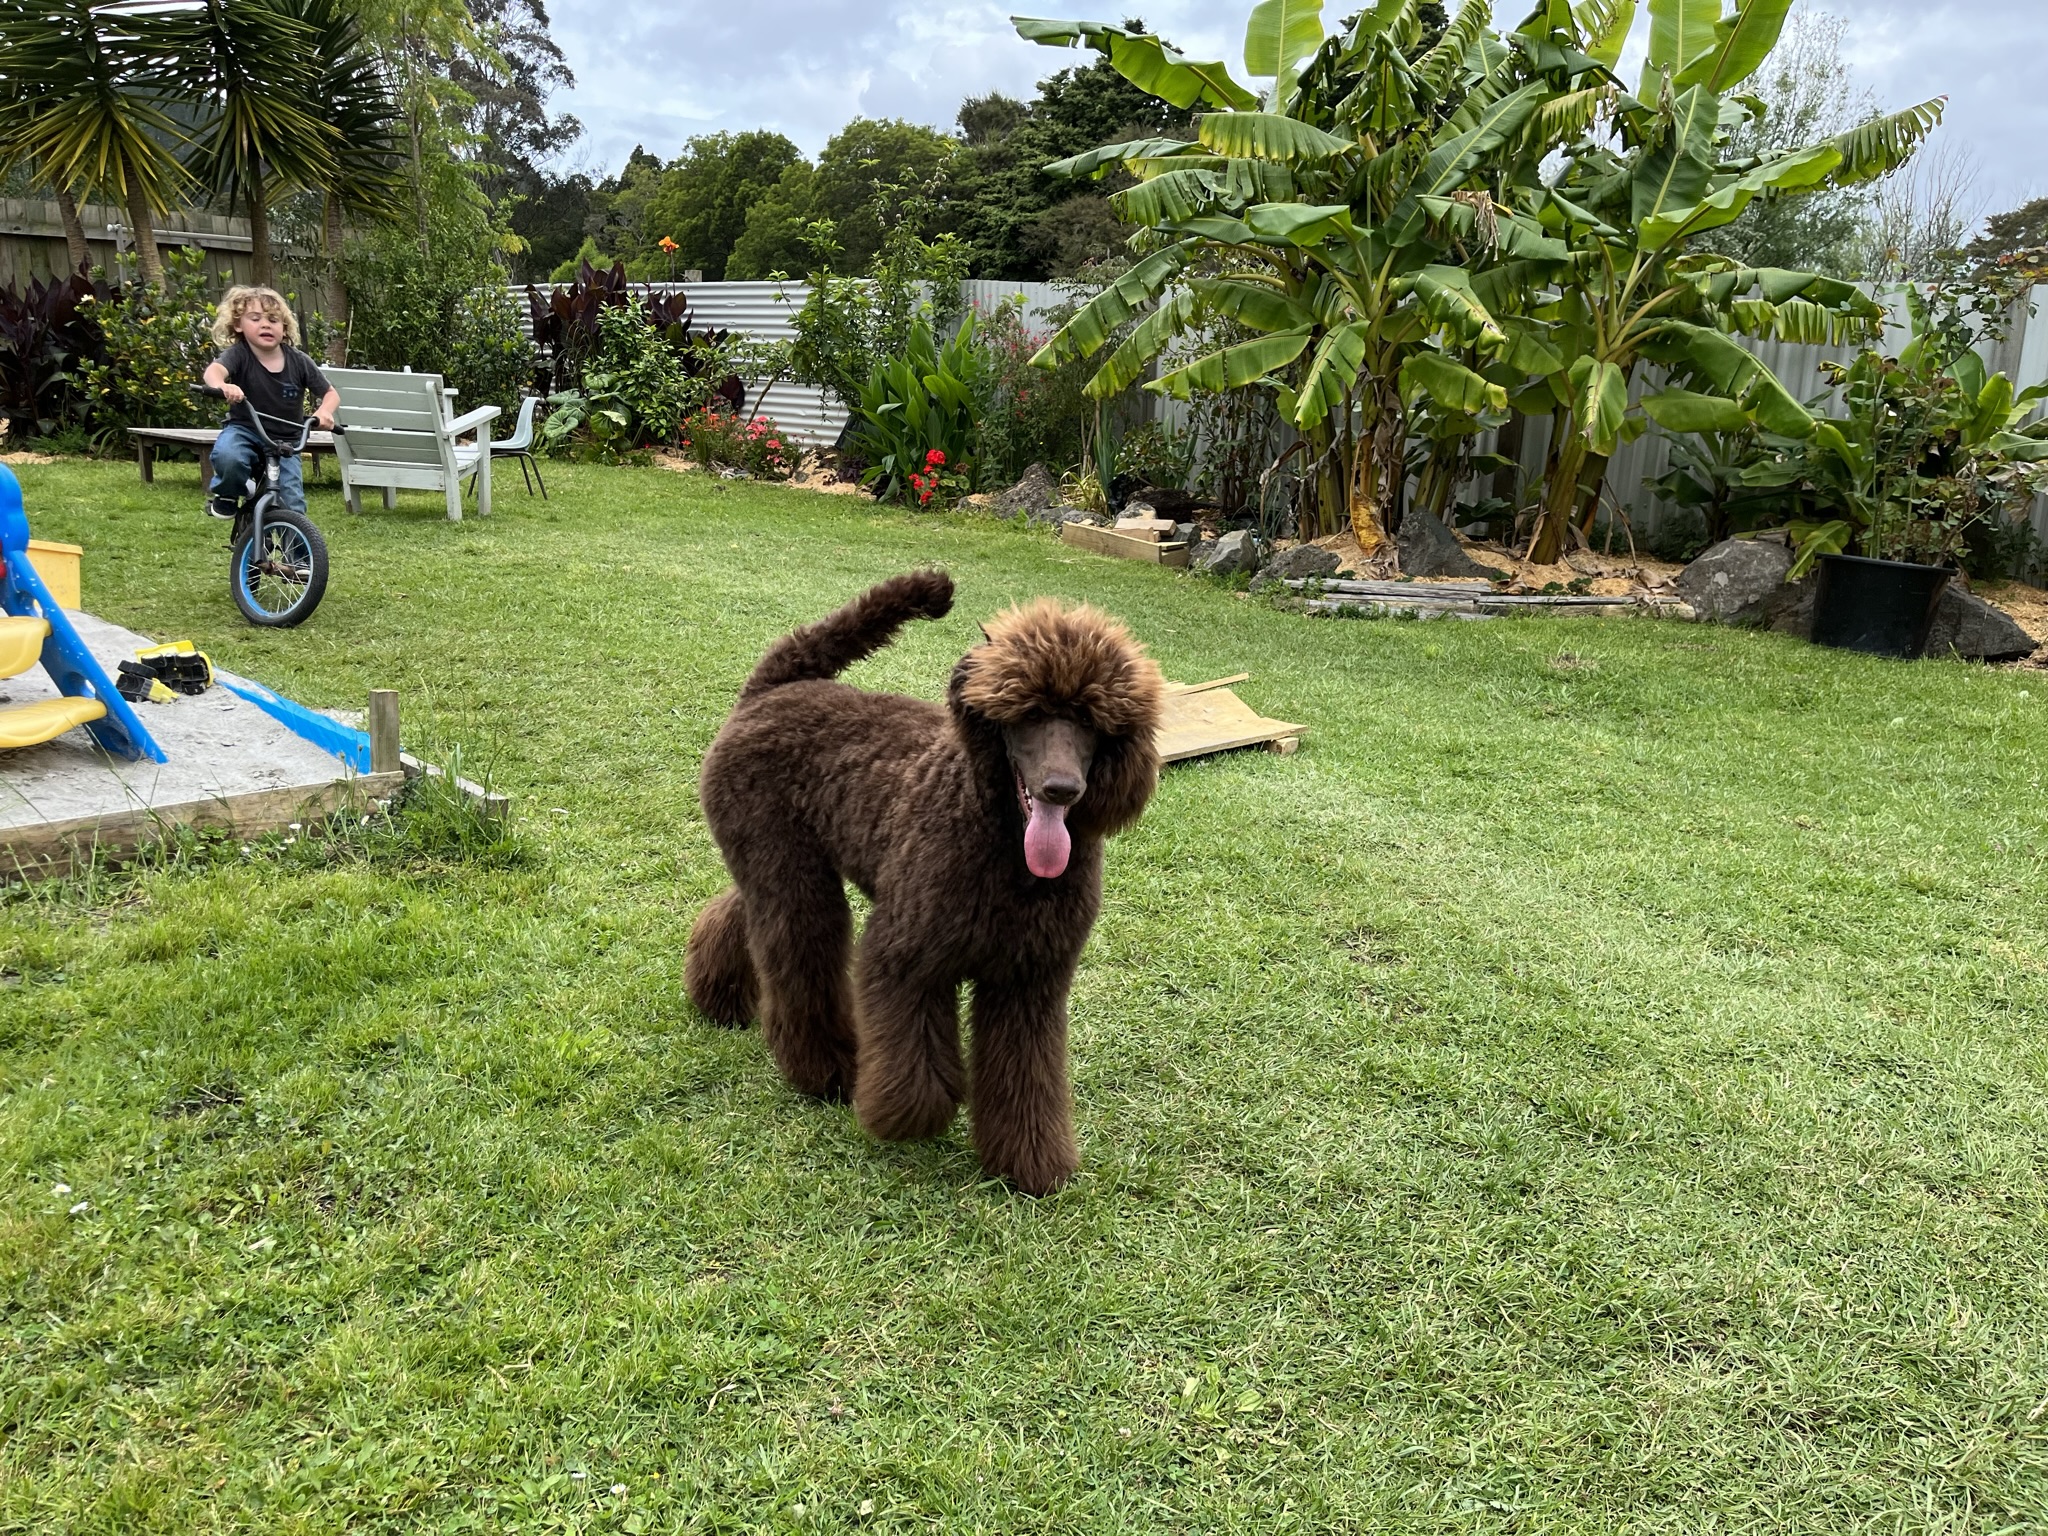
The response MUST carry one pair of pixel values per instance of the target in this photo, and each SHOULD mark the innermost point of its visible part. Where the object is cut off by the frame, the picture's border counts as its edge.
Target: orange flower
(668, 245)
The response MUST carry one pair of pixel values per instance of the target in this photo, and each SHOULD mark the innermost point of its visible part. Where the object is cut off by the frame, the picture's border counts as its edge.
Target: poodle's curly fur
(812, 784)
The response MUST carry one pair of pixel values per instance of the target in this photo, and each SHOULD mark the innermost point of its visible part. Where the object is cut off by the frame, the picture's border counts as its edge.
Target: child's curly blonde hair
(227, 319)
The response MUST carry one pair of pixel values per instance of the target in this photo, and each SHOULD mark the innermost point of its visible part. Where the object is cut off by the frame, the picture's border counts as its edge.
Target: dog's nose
(1062, 788)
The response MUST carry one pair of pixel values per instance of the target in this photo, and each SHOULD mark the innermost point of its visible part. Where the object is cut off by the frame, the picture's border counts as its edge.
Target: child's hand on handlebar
(323, 421)
(232, 393)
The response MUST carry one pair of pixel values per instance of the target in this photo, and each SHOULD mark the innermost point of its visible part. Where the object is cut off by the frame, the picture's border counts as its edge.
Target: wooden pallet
(1202, 718)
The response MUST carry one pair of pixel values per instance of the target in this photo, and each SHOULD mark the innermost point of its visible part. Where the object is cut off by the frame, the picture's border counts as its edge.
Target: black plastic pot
(1879, 607)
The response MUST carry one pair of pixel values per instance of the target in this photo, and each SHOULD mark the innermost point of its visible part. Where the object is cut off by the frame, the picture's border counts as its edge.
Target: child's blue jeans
(238, 459)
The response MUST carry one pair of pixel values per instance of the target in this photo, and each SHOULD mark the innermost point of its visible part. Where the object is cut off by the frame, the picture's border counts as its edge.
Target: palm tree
(261, 76)
(103, 75)
(18, 100)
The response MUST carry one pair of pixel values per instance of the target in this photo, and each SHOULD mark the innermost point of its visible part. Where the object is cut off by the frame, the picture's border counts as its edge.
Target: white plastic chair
(520, 446)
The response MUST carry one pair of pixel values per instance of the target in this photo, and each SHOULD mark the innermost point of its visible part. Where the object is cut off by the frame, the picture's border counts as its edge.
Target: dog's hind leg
(718, 973)
(911, 1079)
(1022, 1111)
(800, 932)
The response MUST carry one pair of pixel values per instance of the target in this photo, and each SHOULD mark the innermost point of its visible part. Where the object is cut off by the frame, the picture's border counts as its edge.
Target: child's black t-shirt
(282, 395)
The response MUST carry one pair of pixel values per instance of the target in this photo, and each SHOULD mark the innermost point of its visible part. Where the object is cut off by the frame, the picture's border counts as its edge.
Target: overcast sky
(654, 74)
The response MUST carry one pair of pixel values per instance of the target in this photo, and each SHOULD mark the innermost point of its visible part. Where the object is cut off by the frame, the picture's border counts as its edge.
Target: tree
(2016, 238)
(779, 235)
(509, 80)
(707, 192)
(104, 77)
(1020, 222)
(261, 77)
(866, 167)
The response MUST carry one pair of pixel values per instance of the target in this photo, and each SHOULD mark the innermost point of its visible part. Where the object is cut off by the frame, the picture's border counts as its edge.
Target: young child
(262, 368)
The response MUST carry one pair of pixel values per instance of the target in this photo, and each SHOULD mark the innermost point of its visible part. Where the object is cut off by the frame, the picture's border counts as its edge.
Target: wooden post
(384, 730)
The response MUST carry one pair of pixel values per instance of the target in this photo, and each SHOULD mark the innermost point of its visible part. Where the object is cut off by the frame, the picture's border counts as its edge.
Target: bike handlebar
(304, 424)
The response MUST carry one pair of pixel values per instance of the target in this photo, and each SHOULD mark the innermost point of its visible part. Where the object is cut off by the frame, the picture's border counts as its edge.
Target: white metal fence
(767, 310)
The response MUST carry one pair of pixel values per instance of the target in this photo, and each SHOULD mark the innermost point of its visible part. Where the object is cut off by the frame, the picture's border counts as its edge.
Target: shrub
(157, 343)
(488, 357)
(48, 332)
(1028, 415)
(716, 438)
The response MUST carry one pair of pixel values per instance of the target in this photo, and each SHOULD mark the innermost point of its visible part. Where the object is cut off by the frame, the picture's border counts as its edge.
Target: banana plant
(1344, 213)
(1649, 176)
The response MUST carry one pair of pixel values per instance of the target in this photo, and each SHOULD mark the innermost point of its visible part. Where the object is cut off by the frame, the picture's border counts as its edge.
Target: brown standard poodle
(976, 831)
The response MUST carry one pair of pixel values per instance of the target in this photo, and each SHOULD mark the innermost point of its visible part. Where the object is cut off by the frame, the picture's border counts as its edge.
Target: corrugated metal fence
(767, 309)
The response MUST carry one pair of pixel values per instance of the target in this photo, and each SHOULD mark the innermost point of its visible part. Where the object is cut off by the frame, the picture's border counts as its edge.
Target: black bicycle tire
(316, 587)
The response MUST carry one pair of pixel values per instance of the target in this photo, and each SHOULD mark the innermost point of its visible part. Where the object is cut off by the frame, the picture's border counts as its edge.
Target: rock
(1303, 560)
(1234, 552)
(1137, 508)
(1966, 625)
(1738, 582)
(1054, 516)
(1428, 548)
(1185, 533)
(1033, 493)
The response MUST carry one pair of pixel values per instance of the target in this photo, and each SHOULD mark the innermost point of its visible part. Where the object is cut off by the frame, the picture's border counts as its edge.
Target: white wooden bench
(396, 433)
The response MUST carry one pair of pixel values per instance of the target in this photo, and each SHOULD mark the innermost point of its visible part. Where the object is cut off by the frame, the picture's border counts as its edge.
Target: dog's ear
(1120, 780)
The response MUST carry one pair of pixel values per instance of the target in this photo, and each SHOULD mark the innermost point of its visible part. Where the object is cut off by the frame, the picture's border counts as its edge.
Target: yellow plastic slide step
(21, 644)
(28, 725)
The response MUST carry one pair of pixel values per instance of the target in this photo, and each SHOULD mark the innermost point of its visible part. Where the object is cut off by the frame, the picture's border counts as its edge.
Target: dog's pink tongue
(1046, 843)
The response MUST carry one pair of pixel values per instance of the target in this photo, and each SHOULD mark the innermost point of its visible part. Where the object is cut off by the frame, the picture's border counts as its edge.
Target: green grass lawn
(1599, 1083)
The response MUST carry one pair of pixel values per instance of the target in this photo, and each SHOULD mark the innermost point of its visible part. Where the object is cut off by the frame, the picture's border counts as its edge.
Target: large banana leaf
(1302, 224)
(1680, 31)
(1439, 67)
(1277, 37)
(1147, 339)
(1685, 410)
(1234, 367)
(1094, 162)
(1882, 145)
(1794, 172)
(1145, 61)
(1258, 305)
(1450, 384)
(1446, 293)
(1084, 335)
(1677, 173)
(1741, 43)
(1599, 401)
(1327, 384)
(1164, 199)
(1267, 136)
(1452, 158)
(1604, 27)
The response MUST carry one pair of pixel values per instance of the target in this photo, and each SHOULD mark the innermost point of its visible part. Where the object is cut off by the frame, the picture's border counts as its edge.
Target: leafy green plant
(158, 341)
(1152, 453)
(848, 327)
(919, 401)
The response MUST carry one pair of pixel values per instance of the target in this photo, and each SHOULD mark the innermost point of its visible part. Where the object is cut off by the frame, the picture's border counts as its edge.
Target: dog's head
(1074, 702)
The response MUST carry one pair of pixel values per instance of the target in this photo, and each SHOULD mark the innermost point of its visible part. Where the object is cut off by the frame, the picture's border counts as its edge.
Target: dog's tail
(862, 627)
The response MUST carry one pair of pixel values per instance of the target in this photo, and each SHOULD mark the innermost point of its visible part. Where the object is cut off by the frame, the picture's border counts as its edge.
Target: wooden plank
(384, 754)
(1157, 529)
(1214, 682)
(1213, 719)
(56, 848)
(423, 417)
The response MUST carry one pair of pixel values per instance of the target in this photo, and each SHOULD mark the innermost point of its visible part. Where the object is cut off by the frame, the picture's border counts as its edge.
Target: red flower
(935, 457)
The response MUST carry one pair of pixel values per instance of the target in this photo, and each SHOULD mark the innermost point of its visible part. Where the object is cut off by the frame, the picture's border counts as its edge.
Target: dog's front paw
(905, 1111)
(1035, 1169)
